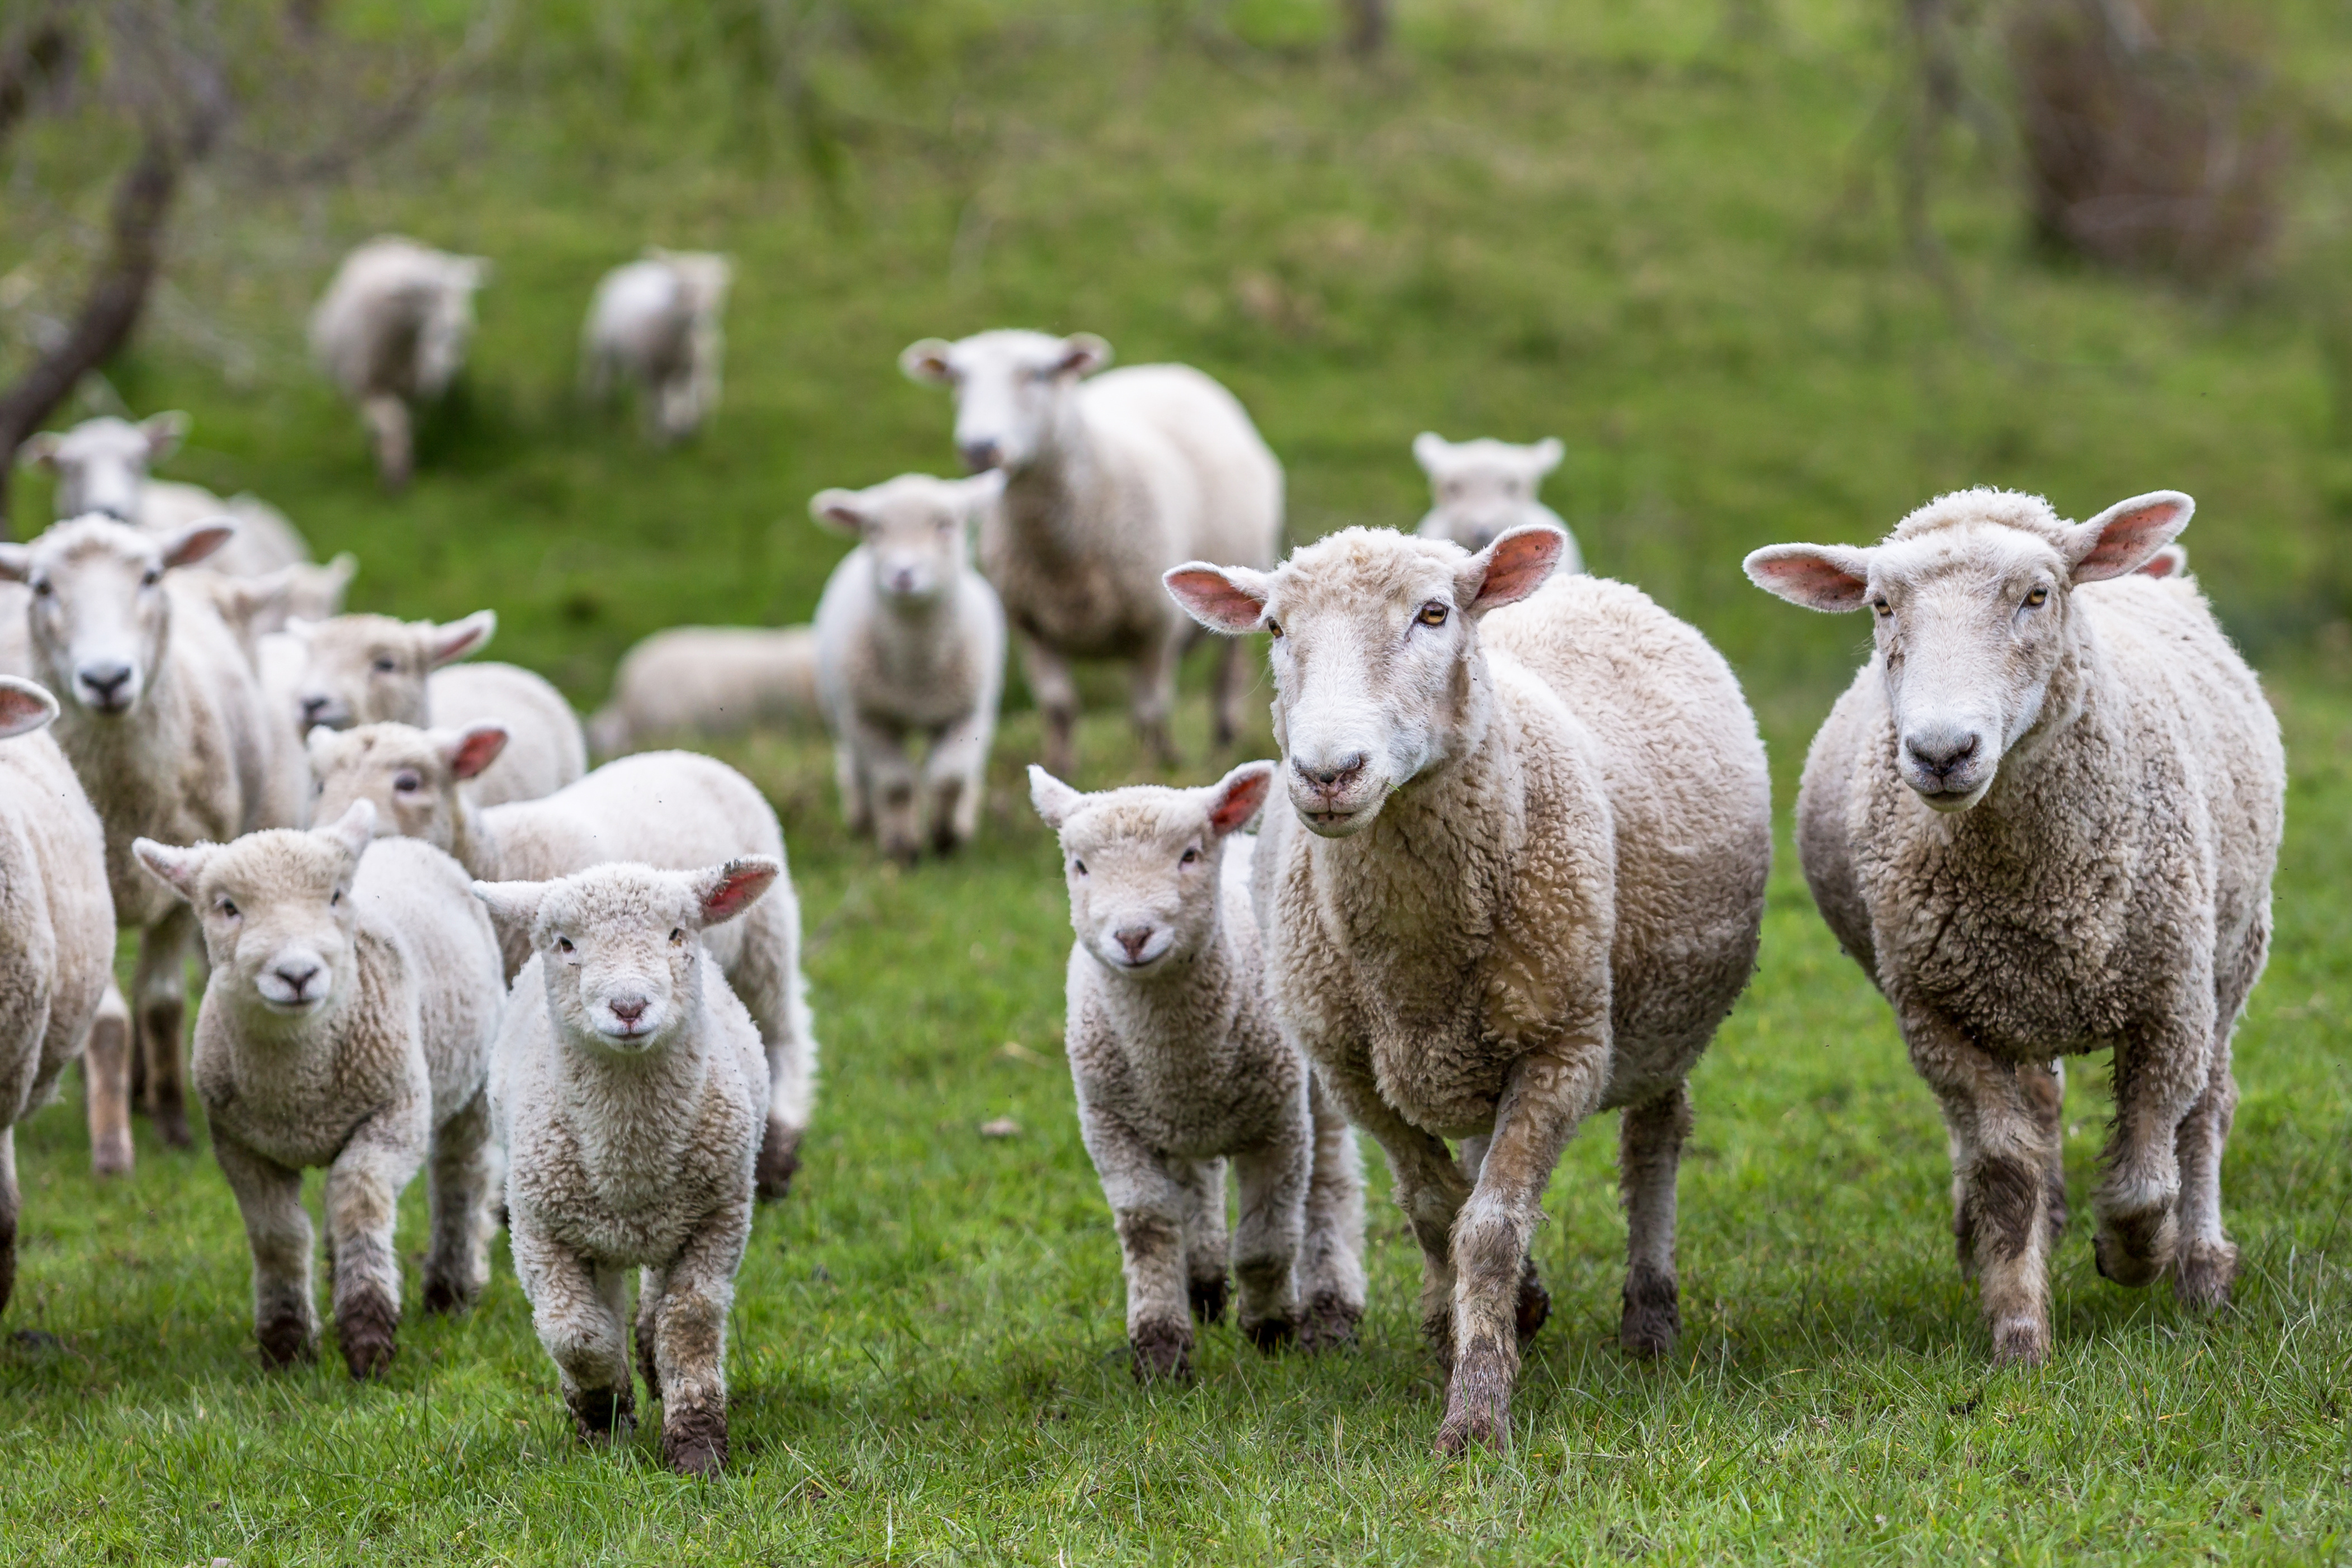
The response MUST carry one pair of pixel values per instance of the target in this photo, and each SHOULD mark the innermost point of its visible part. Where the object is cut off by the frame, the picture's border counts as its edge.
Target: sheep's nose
(628, 1009)
(1330, 777)
(1941, 749)
(105, 681)
(902, 581)
(1132, 938)
(298, 974)
(314, 710)
(980, 456)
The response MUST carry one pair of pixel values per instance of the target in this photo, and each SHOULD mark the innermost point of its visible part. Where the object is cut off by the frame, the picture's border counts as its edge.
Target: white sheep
(674, 810)
(2043, 820)
(629, 1091)
(1108, 483)
(658, 322)
(390, 333)
(1559, 905)
(101, 465)
(167, 726)
(708, 683)
(1180, 1068)
(1480, 489)
(911, 647)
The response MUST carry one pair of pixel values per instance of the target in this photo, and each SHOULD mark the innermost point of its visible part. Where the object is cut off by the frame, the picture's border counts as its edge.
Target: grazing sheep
(910, 646)
(2043, 820)
(657, 321)
(708, 682)
(1521, 882)
(1108, 483)
(372, 669)
(1480, 489)
(354, 999)
(629, 1092)
(101, 466)
(390, 333)
(168, 728)
(1180, 1067)
(668, 808)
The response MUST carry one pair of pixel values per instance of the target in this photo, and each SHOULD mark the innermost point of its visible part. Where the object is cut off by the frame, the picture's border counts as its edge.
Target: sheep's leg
(1331, 1249)
(690, 1343)
(277, 1233)
(1649, 1153)
(895, 790)
(1428, 1184)
(2160, 1075)
(1055, 691)
(2205, 1260)
(10, 1198)
(651, 1285)
(1205, 1285)
(1154, 700)
(458, 1186)
(106, 1084)
(1273, 1183)
(767, 976)
(1534, 1308)
(856, 800)
(954, 775)
(2044, 1084)
(363, 1188)
(161, 984)
(576, 1305)
(1225, 691)
(389, 433)
(1150, 1202)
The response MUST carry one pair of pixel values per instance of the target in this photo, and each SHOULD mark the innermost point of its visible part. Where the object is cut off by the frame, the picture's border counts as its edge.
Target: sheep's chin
(1952, 802)
(1325, 821)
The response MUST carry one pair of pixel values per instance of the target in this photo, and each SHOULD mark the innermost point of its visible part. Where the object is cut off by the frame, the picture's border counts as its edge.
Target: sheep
(657, 321)
(1180, 1067)
(1108, 483)
(910, 645)
(101, 466)
(629, 1092)
(668, 808)
(390, 333)
(1558, 904)
(2043, 820)
(354, 999)
(168, 728)
(1479, 488)
(708, 683)
(372, 669)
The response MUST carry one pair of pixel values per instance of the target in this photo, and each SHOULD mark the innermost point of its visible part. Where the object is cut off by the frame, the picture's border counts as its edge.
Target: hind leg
(458, 1176)
(1331, 1252)
(1649, 1153)
(162, 988)
(391, 436)
(106, 1082)
(1205, 1247)
(767, 976)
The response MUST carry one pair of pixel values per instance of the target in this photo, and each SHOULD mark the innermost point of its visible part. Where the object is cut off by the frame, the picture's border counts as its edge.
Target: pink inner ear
(1241, 801)
(1807, 577)
(2126, 541)
(1517, 567)
(479, 748)
(1215, 599)
(21, 711)
(736, 891)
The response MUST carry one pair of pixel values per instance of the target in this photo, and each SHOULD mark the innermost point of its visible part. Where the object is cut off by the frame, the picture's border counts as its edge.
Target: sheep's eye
(2039, 597)
(335, 897)
(564, 944)
(150, 578)
(1432, 615)
(408, 781)
(1078, 867)
(1885, 610)
(1188, 857)
(1274, 628)
(227, 909)
(677, 936)
(385, 663)
(41, 589)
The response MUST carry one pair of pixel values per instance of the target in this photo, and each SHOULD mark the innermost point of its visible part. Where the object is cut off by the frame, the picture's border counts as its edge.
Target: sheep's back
(546, 749)
(58, 917)
(422, 900)
(1236, 516)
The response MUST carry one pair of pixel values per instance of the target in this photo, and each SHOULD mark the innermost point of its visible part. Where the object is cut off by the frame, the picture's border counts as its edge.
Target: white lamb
(1521, 882)
(2043, 820)
(629, 1092)
(1480, 489)
(911, 647)
(1179, 1067)
(1109, 482)
(667, 809)
(708, 683)
(101, 465)
(391, 331)
(657, 322)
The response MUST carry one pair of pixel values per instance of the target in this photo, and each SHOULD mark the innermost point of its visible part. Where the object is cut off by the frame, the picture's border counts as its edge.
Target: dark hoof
(1534, 1305)
(1653, 1316)
(2202, 1274)
(444, 1299)
(366, 1329)
(1208, 1297)
(1327, 1323)
(780, 1160)
(1162, 1350)
(694, 1442)
(284, 1341)
(598, 1414)
(2125, 1254)
(1477, 1407)
(1270, 1334)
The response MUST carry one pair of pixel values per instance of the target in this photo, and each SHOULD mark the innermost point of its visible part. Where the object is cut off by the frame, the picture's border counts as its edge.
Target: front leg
(1272, 1183)
(891, 785)
(363, 1188)
(857, 795)
(576, 1305)
(1649, 1153)
(955, 776)
(1428, 1184)
(459, 1183)
(1331, 1251)
(277, 1233)
(690, 1342)
(1205, 1247)
(1153, 702)
(106, 1082)
(161, 986)
(1150, 1199)
(2160, 1075)
(1055, 692)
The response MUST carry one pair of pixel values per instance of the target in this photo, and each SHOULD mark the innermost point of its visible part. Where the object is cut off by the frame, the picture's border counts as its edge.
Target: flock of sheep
(1508, 870)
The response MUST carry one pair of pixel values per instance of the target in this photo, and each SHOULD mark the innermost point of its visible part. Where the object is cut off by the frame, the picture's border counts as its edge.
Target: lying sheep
(101, 466)
(1480, 489)
(372, 669)
(1180, 1067)
(2043, 820)
(657, 322)
(1559, 905)
(1108, 483)
(629, 1092)
(354, 999)
(910, 646)
(390, 333)
(667, 809)
(708, 683)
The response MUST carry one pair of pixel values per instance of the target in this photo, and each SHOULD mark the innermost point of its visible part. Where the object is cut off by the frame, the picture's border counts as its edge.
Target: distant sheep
(101, 465)
(708, 683)
(658, 322)
(1482, 489)
(391, 331)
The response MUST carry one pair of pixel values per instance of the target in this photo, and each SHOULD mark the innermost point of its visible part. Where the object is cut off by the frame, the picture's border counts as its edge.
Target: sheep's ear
(337, 574)
(198, 541)
(838, 509)
(511, 903)
(930, 359)
(2119, 541)
(1083, 354)
(355, 829)
(1508, 569)
(726, 890)
(177, 869)
(459, 638)
(1235, 798)
(1548, 454)
(1055, 801)
(982, 491)
(1230, 599)
(320, 745)
(1429, 449)
(164, 431)
(469, 750)
(243, 600)
(2169, 561)
(38, 451)
(24, 708)
(15, 563)
(1832, 578)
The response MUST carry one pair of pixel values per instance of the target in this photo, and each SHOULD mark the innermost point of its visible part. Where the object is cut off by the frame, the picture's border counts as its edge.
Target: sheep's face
(1482, 487)
(704, 276)
(101, 464)
(410, 775)
(101, 614)
(1378, 676)
(1144, 864)
(372, 669)
(1010, 390)
(914, 529)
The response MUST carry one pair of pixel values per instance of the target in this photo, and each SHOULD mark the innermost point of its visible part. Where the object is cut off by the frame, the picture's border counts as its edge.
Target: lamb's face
(914, 528)
(410, 775)
(101, 464)
(101, 614)
(1479, 488)
(372, 669)
(1143, 864)
(1009, 389)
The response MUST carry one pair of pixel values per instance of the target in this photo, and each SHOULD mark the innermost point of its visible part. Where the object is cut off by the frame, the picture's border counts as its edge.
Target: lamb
(1180, 1067)
(1481, 488)
(390, 333)
(101, 466)
(674, 810)
(910, 645)
(629, 1091)
(166, 725)
(1557, 903)
(657, 321)
(354, 999)
(708, 683)
(2043, 820)
(1108, 483)
(372, 669)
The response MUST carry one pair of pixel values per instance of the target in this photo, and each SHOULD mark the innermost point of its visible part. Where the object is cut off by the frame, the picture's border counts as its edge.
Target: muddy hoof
(367, 1329)
(1270, 1334)
(2126, 1255)
(1162, 1351)
(443, 1298)
(1477, 1408)
(1208, 1298)
(694, 1442)
(1653, 1316)
(2020, 1341)
(598, 1414)
(284, 1341)
(1327, 1323)
(2202, 1273)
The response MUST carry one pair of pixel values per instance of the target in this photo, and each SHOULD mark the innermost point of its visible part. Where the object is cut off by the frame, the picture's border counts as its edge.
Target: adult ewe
(101, 465)
(1521, 882)
(1108, 483)
(2043, 820)
(1480, 488)
(657, 321)
(390, 333)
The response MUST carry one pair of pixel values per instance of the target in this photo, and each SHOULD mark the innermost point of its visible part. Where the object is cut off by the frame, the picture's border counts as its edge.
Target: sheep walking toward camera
(1181, 1068)
(2043, 820)
(630, 1091)
(391, 331)
(1521, 882)
(101, 465)
(1480, 490)
(911, 648)
(354, 999)
(657, 321)
(1108, 483)
(708, 683)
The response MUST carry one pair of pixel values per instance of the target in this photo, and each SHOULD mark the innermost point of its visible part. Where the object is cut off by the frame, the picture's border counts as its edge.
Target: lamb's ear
(24, 708)
(355, 828)
(15, 563)
(2169, 561)
(1235, 798)
(1548, 454)
(930, 360)
(198, 541)
(726, 890)
(459, 638)
(838, 509)
(177, 869)
(511, 903)
(300, 626)
(469, 750)
(982, 491)
(320, 746)
(1429, 449)
(337, 574)
(1832, 578)
(2119, 541)
(1230, 599)
(1511, 569)
(39, 450)
(164, 431)
(1054, 801)
(1083, 354)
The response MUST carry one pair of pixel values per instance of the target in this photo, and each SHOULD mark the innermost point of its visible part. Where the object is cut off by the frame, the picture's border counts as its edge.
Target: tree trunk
(1368, 26)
